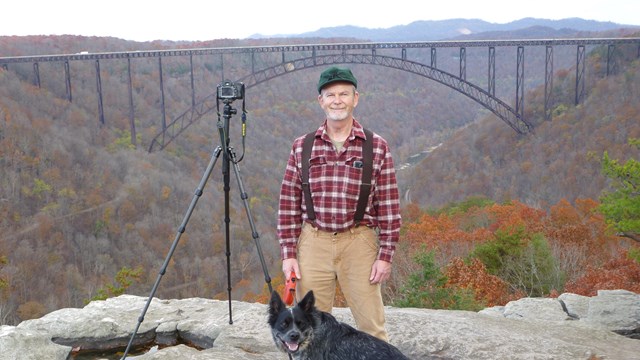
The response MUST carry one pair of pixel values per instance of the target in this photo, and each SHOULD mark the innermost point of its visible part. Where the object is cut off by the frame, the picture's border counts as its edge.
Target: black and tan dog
(306, 333)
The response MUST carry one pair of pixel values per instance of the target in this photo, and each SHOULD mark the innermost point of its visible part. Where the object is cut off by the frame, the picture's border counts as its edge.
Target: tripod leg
(254, 232)
(181, 230)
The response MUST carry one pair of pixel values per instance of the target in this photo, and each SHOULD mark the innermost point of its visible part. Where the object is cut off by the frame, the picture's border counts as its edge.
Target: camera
(230, 90)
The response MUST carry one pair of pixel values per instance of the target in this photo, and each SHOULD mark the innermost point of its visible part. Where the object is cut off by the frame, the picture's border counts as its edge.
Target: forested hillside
(85, 214)
(560, 160)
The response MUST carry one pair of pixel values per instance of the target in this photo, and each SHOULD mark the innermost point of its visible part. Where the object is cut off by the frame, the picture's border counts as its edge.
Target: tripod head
(228, 110)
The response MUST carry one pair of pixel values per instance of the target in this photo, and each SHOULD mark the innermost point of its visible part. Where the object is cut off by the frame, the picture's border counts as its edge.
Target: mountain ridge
(429, 30)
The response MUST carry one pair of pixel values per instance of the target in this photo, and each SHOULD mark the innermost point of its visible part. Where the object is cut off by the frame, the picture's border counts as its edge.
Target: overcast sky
(143, 20)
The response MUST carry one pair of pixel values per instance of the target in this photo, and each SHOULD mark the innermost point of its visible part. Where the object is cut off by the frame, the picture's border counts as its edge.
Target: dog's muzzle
(291, 343)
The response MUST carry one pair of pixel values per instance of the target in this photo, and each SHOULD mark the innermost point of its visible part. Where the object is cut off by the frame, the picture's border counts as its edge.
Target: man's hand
(289, 265)
(380, 272)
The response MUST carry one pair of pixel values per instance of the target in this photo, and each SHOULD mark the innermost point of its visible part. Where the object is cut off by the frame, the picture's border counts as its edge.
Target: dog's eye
(285, 324)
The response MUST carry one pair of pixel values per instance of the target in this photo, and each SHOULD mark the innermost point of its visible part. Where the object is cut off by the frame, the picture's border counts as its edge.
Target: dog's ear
(276, 305)
(307, 304)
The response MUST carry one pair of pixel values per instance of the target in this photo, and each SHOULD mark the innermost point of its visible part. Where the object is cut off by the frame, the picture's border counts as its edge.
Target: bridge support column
(580, 65)
(99, 90)
(434, 57)
(162, 106)
(132, 124)
(520, 83)
(463, 63)
(491, 71)
(253, 62)
(611, 61)
(193, 87)
(67, 77)
(36, 74)
(221, 67)
(548, 84)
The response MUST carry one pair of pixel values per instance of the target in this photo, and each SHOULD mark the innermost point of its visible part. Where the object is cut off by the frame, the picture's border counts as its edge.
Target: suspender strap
(306, 156)
(365, 183)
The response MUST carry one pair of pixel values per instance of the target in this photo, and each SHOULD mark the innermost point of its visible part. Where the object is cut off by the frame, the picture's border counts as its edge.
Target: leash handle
(290, 289)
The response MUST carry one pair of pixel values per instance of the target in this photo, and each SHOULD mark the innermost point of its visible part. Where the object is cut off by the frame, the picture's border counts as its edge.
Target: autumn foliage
(502, 252)
(620, 272)
(487, 288)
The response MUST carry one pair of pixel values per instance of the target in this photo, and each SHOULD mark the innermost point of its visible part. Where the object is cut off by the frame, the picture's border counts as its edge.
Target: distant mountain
(431, 30)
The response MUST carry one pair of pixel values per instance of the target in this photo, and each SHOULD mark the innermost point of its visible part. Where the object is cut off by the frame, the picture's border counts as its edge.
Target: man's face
(338, 101)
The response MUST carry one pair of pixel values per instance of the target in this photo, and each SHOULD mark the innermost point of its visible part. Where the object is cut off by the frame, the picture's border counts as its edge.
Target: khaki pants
(347, 257)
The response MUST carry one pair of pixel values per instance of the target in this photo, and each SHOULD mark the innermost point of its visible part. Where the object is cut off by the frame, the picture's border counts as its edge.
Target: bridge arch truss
(495, 105)
(315, 55)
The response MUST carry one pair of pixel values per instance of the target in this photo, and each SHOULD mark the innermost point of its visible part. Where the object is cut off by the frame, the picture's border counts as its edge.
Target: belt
(353, 229)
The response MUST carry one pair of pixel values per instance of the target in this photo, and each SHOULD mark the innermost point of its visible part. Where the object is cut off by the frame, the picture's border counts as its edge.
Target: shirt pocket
(319, 172)
(352, 176)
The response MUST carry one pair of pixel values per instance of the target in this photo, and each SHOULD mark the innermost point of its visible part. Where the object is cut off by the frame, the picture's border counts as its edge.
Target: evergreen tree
(621, 207)
(523, 260)
(427, 288)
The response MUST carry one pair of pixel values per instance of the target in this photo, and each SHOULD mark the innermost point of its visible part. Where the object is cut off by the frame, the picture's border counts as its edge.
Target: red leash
(290, 294)
(290, 289)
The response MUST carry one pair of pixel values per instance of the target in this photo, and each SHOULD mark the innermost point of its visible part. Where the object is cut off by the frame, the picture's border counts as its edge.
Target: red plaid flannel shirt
(335, 187)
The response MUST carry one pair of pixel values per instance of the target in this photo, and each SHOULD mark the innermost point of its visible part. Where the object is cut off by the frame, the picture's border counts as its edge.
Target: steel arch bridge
(484, 98)
(315, 55)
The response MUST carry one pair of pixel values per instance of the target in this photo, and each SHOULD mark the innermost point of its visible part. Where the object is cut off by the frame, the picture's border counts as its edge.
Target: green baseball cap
(335, 74)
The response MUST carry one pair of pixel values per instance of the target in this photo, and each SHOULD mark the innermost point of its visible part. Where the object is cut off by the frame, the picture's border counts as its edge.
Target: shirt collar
(356, 131)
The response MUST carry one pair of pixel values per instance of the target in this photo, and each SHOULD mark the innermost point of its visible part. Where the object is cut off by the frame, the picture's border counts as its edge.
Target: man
(332, 245)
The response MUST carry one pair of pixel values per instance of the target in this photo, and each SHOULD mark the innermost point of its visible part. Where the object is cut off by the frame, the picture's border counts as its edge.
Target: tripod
(228, 158)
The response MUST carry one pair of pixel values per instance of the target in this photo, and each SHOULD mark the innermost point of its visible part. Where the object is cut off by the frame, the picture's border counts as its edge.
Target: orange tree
(472, 274)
